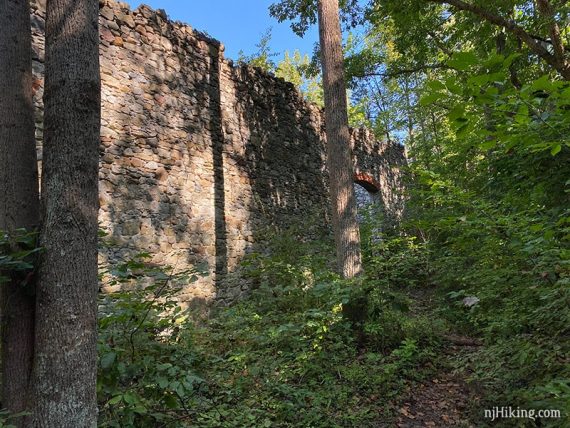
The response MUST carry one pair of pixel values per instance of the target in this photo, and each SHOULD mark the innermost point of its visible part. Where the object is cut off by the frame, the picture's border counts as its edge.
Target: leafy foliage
(286, 356)
(18, 255)
(297, 69)
(492, 208)
(485, 120)
(303, 13)
(292, 355)
(263, 57)
(146, 361)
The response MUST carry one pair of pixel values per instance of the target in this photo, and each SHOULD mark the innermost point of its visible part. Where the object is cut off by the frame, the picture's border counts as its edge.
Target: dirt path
(444, 399)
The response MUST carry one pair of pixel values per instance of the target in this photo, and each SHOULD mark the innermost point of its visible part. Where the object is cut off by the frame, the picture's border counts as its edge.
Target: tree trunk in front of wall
(19, 203)
(339, 161)
(63, 388)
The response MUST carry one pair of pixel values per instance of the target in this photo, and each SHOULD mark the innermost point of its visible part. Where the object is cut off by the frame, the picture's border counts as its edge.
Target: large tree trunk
(63, 387)
(19, 204)
(339, 160)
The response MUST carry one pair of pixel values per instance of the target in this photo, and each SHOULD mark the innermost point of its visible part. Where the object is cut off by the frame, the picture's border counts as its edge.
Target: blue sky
(238, 24)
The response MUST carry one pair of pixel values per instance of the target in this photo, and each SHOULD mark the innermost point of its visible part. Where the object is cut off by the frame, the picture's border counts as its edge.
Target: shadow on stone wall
(200, 158)
(284, 151)
(149, 175)
(217, 135)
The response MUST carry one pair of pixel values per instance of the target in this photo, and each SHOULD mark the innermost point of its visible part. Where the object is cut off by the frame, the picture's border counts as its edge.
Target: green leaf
(428, 99)
(457, 113)
(542, 84)
(130, 398)
(462, 60)
(479, 80)
(509, 60)
(171, 402)
(556, 149)
(494, 60)
(462, 130)
(436, 85)
(522, 115)
(116, 399)
(162, 382)
(487, 145)
(453, 87)
(107, 360)
(140, 409)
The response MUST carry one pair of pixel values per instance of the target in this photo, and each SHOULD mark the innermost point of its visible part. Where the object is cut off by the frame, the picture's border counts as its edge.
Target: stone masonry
(198, 155)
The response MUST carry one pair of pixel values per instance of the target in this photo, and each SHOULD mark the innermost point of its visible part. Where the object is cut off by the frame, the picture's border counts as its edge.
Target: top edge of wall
(161, 16)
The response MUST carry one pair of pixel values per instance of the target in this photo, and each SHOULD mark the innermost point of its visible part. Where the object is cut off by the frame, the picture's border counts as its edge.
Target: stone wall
(199, 155)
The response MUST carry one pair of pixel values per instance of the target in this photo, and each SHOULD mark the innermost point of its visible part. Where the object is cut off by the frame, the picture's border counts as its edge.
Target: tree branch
(545, 40)
(545, 8)
(559, 64)
(439, 43)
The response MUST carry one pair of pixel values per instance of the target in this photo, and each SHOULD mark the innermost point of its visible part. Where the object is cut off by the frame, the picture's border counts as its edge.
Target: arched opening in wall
(368, 200)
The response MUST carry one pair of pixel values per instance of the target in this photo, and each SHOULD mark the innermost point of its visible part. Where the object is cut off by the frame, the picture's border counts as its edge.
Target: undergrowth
(307, 348)
(514, 261)
(288, 355)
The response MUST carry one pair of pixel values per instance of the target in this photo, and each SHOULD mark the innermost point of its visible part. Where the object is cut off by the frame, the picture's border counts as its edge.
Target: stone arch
(367, 181)
(369, 203)
(367, 193)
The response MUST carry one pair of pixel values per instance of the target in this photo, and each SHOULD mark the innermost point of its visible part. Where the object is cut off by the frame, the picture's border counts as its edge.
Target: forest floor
(446, 398)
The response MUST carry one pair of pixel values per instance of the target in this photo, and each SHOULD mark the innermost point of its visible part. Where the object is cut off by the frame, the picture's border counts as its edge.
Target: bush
(147, 364)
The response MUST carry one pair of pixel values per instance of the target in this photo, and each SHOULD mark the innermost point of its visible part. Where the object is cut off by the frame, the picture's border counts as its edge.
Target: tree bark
(64, 375)
(546, 9)
(19, 206)
(339, 159)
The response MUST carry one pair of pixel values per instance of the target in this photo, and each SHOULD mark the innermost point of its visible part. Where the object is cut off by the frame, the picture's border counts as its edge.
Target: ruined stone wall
(199, 155)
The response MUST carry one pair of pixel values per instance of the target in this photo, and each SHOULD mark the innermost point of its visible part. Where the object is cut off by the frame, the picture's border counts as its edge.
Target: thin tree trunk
(339, 160)
(19, 203)
(65, 367)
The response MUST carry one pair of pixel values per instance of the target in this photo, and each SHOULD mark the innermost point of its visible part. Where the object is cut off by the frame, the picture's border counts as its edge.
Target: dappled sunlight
(243, 285)
(198, 155)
